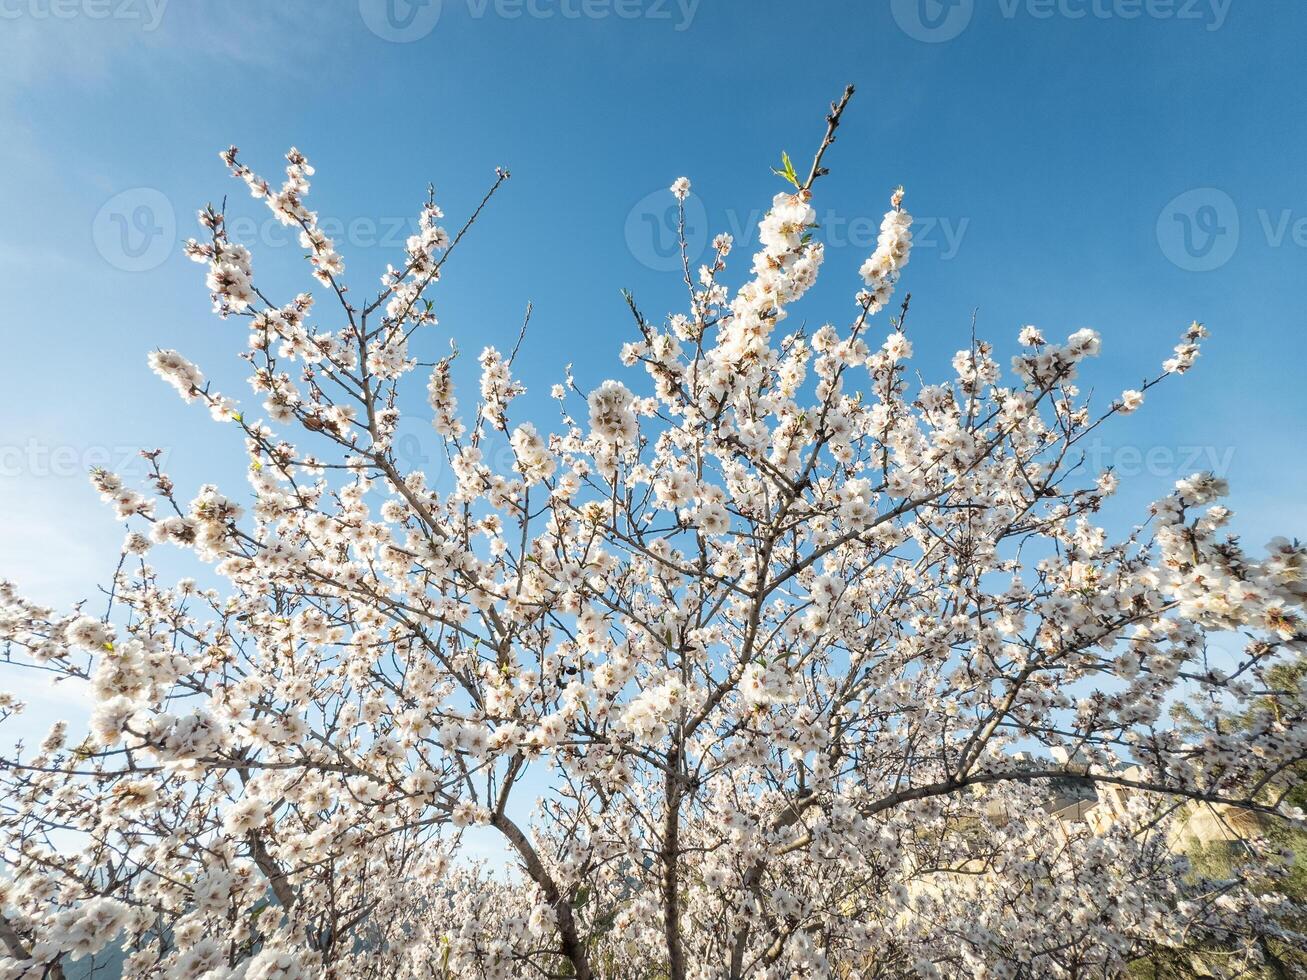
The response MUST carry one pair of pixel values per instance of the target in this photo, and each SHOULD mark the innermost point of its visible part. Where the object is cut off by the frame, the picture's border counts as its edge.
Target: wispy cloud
(52, 549)
(78, 52)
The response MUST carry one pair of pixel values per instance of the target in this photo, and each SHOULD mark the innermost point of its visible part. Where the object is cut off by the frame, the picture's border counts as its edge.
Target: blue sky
(1128, 165)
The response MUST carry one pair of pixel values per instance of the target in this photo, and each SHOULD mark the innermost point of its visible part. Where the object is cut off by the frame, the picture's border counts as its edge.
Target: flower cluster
(893, 247)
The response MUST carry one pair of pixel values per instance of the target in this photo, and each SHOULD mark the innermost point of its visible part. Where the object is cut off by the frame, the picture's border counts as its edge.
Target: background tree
(1273, 862)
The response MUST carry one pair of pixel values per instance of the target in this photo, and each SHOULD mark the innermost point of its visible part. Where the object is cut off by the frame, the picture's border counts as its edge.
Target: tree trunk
(571, 945)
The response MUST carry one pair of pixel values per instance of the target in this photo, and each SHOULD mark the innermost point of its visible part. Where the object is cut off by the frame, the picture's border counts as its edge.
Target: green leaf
(788, 171)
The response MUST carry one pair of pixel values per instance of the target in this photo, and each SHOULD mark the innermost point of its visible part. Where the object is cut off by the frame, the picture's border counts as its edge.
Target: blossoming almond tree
(798, 640)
